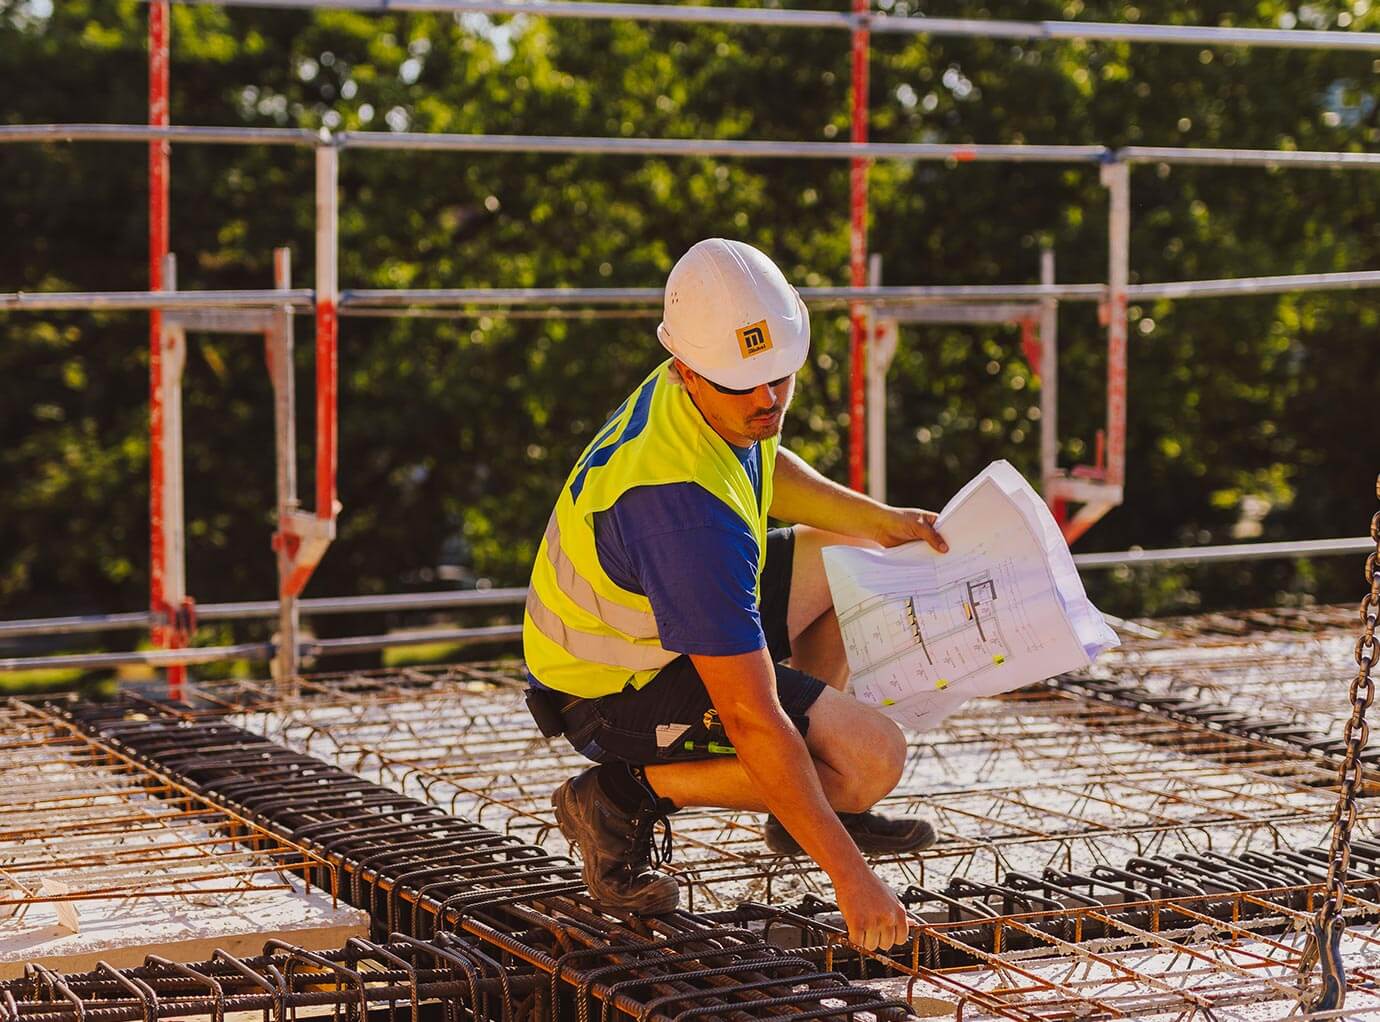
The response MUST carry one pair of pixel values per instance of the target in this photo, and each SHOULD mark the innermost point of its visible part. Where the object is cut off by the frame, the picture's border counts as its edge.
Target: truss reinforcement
(424, 873)
(448, 979)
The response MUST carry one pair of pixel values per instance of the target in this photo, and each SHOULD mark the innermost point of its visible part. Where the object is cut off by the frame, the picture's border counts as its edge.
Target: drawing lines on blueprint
(944, 637)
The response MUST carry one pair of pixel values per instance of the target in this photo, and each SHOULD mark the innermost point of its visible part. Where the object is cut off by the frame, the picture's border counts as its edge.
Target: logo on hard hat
(754, 339)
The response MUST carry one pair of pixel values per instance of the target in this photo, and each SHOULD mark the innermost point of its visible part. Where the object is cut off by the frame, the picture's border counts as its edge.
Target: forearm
(777, 761)
(802, 496)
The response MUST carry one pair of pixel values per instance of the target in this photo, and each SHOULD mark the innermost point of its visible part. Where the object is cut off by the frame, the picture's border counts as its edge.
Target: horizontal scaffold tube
(265, 609)
(57, 301)
(1226, 552)
(1235, 286)
(515, 595)
(986, 28)
(962, 152)
(403, 300)
(1295, 158)
(740, 147)
(259, 650)
(153, 133)
(420, 298)
(141, 657)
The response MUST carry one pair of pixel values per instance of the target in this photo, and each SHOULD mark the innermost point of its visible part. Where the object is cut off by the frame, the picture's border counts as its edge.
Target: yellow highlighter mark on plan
(998, 659)
(888, 702)
(942, 683)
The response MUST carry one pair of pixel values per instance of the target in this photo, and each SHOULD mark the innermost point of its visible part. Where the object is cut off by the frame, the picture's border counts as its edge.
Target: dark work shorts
(671, 717)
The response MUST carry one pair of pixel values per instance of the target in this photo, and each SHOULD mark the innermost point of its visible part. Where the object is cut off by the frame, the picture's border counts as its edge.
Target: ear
(687, 374)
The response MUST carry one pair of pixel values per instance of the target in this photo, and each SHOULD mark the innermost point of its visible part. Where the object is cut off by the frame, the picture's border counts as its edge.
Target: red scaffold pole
(857, 348)
(165, 630)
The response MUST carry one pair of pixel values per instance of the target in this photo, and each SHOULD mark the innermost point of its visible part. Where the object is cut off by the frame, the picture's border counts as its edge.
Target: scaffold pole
(858, 319)
(278, 349)
(166, 633)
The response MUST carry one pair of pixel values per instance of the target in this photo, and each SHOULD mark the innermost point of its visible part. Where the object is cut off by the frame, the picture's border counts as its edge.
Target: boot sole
(568, 822)
(924, 840)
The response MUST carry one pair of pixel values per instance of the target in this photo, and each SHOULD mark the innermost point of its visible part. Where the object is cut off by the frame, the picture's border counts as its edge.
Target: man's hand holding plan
(1004, 608)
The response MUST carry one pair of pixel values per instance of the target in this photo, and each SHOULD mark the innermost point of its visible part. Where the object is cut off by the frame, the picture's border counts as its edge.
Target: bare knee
(864, 750)
(876, 768)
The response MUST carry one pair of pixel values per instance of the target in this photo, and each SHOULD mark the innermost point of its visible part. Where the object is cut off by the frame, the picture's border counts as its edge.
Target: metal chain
(1324, 941)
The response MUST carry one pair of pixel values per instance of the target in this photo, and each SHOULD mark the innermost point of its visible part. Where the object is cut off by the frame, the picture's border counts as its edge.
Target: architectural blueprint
(1004, 608)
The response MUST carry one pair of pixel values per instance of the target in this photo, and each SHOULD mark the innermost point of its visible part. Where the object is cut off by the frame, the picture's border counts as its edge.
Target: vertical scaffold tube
(280, 367)
(165, 631)
(327, 325)
(1049, 382)
(1117, 179)
(857, 373)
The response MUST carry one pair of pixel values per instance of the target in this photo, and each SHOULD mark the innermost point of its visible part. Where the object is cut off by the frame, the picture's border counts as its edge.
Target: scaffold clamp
(304, 539)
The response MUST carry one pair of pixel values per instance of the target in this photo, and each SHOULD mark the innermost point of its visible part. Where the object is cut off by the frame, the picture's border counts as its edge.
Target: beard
(763, 427)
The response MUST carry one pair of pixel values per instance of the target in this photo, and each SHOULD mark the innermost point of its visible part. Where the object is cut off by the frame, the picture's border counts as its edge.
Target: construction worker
(689, 650)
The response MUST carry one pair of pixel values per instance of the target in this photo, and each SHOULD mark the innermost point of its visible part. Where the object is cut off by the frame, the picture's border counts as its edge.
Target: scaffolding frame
(302, 539)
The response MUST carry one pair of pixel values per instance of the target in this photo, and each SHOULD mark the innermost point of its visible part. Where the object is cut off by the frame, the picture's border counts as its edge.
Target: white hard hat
(731, 316)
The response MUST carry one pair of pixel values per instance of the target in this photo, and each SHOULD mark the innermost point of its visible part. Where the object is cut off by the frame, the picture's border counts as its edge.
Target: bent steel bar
(449, 971)
(1182, 35)
(52, 301)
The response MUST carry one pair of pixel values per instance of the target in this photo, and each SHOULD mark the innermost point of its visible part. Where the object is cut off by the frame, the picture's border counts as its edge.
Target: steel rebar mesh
(1037, 779)
(92, 842)
(1281, 674)
(1228, 957)
(423, 872)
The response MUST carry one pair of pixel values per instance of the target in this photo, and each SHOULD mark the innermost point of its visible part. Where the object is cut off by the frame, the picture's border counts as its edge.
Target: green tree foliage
(456, 432)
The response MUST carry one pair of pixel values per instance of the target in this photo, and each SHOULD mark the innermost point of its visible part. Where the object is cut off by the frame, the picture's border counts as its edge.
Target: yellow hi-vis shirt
(582, 633)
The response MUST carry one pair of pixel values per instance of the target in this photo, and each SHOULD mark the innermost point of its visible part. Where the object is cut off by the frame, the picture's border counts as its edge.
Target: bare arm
(801, 495)
(776, 759)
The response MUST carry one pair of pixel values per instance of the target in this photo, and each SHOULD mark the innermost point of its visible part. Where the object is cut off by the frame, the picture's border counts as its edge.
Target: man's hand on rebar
(876, 920)
(897, 525)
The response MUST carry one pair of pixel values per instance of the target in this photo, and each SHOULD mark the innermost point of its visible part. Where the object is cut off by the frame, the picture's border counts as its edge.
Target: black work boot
(871, 832)
(616, 847)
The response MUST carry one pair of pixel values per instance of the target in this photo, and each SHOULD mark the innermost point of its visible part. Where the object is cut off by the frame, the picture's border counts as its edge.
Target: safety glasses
(773, 384)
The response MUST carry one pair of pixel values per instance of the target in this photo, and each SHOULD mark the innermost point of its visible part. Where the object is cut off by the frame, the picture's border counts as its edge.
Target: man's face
(741, 419)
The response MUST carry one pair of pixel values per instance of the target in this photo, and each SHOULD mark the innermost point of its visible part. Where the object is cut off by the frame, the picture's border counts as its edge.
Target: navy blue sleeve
(693, 558)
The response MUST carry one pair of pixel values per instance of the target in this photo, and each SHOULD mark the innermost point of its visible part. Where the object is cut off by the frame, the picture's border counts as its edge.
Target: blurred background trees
(1248, 417)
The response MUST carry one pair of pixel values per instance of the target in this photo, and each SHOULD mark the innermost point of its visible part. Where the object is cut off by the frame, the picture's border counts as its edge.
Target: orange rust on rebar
(103, 826)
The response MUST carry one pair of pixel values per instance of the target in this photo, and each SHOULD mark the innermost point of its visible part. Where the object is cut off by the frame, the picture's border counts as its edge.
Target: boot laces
(646, 850)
